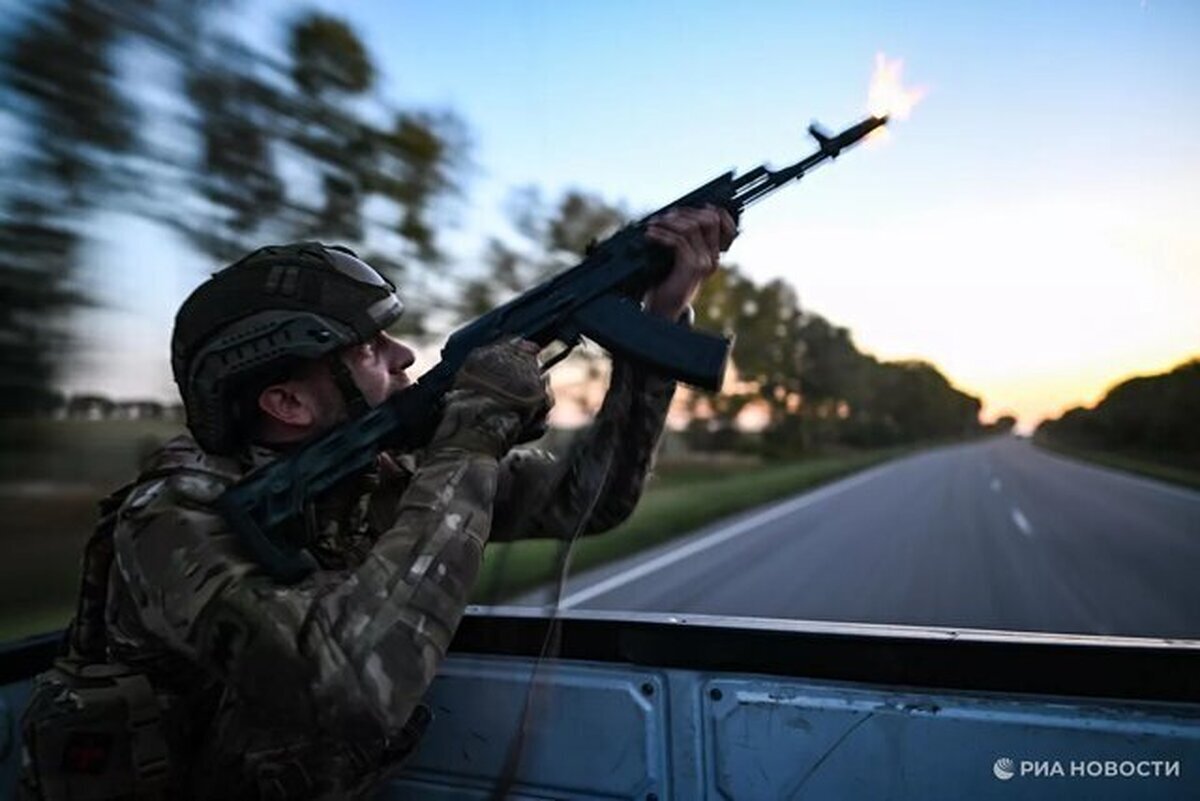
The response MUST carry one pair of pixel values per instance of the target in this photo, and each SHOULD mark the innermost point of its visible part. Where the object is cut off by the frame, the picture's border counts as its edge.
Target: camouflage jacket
(301, 691)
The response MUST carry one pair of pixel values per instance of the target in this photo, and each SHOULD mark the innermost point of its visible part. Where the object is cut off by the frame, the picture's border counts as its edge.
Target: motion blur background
(988, 315)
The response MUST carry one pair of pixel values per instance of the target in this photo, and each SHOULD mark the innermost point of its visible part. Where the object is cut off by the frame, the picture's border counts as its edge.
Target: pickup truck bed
(657, 707)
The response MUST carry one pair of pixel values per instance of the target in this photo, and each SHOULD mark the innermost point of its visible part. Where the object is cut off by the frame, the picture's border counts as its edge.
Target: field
(52, 473)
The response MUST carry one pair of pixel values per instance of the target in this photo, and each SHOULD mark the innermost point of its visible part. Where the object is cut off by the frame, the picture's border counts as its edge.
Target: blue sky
(1031, 229)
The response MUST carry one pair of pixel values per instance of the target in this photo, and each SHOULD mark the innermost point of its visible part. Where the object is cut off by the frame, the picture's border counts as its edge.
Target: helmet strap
(356, 402)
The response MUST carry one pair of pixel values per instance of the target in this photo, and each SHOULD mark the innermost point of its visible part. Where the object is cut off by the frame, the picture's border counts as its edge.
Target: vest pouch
(94, 732)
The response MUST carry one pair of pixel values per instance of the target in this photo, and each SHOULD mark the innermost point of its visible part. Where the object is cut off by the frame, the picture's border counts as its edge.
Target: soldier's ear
(291, 403)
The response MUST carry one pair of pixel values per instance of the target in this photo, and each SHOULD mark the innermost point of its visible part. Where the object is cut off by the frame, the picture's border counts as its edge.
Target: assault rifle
(597, 299)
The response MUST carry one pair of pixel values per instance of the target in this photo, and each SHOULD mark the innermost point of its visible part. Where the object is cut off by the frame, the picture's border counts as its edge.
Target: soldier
(230, 685)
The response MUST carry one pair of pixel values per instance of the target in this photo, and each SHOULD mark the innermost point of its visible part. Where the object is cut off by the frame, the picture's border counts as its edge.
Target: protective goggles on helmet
(348, 264)
(382, 312)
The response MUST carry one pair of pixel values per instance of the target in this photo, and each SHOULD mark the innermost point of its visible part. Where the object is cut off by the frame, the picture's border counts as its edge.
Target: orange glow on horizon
(1033, 399)
(1030, 399)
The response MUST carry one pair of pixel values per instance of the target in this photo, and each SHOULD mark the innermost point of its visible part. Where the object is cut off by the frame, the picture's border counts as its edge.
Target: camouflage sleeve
(540, 495)
(347, 652)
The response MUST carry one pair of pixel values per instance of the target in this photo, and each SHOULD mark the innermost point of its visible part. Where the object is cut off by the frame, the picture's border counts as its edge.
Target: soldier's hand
(696, 239)
(500, 398)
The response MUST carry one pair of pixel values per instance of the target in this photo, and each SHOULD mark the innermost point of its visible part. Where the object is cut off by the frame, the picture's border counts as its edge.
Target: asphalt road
(995, 534)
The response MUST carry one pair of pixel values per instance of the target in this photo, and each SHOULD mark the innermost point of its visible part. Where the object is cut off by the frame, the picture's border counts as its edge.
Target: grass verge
(1130, 463)
(676, 503)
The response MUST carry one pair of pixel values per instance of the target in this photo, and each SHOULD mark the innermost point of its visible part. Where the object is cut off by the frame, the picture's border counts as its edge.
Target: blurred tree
(553, 238)
(238, 175)
(1005, 423)
(831, 363)
(767, 354)
(772, 349)
(58, 80)
(250, 147)
(328, 56)
(330, 67)
(418, 160)
(817, 388)
(1155, 416)
(831, 374)
(218, 140)
(304, 118)
(923, 404)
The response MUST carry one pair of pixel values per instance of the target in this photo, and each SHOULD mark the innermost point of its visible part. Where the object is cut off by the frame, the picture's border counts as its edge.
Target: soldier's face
(308, 404)
(378, 366)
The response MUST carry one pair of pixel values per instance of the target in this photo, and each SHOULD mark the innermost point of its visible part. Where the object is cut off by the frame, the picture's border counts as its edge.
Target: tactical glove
(499, 399)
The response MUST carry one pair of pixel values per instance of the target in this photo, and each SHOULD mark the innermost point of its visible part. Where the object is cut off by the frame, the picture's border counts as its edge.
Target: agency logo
(1006, 768)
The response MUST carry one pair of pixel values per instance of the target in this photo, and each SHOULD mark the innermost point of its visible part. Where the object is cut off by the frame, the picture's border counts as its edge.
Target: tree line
(1156, 414)
(158, 111)
(801, 376)
(812, 384)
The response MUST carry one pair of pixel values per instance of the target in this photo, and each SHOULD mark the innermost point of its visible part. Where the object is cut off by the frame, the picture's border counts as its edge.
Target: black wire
(551, 647)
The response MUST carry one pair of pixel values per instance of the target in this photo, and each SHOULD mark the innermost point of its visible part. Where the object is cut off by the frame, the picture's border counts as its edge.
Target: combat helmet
(260, 317)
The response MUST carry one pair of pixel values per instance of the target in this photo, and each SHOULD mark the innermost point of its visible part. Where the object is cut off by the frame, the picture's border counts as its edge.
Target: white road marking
(1021, 522)
(995, 485)
(716, 538)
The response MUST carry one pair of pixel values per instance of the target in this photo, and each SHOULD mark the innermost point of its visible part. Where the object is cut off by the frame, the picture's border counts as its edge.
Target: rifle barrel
(760, 182)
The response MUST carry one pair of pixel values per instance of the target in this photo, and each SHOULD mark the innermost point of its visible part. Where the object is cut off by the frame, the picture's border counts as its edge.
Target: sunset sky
(1032, 229)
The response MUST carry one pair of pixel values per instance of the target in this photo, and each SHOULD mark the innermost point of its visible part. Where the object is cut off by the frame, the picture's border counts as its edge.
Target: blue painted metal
(600, 733)
(606, 728)
(594, 732)
(12, 700)
(768, 739)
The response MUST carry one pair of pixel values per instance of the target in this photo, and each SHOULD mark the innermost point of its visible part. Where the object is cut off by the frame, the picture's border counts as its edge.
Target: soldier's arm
(603, 472)
(341, 651)
(539, 497)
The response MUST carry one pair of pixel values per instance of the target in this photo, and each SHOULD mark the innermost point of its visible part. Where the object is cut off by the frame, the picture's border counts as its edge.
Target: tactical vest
(99, 730)
(95, 730)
